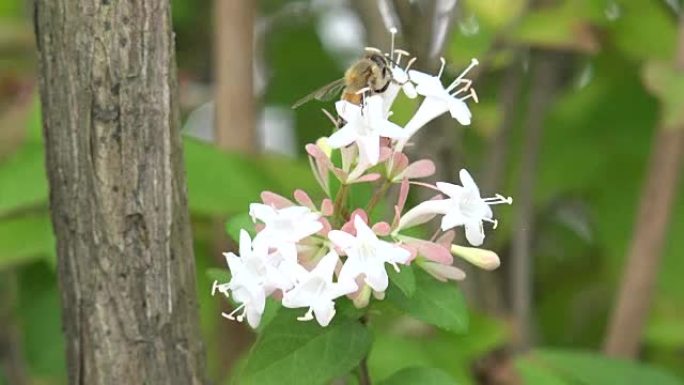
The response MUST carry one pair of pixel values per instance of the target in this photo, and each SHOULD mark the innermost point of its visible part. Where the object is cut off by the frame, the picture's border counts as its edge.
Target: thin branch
(234, 129)
(645, 251)
(233, 72)
(487, 291)
(543, 85)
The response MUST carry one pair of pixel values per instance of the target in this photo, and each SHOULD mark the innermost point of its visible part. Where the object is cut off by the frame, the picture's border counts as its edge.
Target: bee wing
(327, 92)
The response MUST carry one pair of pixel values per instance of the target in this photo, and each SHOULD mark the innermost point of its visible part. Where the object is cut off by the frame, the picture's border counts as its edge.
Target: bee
(369, 75)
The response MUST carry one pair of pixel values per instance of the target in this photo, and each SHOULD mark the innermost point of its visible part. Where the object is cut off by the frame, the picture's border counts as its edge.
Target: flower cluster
(309, 255)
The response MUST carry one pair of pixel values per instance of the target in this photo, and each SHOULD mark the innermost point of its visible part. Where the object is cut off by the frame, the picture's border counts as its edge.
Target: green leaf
(667, 84)
(559, 27)
(303, 353)
(290, 174)
(220, 182)
(593, 369)
(25, 239)
(422, 376)
(39, 314)
(218, 274)
(22, 180)
(438, 303)
(405, 280)
(645, 30)
(238, 222)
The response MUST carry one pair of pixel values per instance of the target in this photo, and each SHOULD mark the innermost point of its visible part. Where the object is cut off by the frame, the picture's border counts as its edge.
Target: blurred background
(569, 106)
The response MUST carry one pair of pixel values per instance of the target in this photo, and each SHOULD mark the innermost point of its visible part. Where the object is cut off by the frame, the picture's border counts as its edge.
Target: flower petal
(343, 137)
(467, 181)
(362, 230)
(454, 191)
(474, 232)
(423, 212)
(369, 148)
(324, 311)
(452, 219)
(376, 276)
(342, 239)
(326, 266)
(459, 111)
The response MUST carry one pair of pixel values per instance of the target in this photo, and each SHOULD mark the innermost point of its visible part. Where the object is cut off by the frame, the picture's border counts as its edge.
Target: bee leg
(340, 122)
(336, 120)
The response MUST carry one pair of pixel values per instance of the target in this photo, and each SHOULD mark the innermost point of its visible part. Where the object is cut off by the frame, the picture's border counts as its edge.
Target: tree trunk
(117, 192)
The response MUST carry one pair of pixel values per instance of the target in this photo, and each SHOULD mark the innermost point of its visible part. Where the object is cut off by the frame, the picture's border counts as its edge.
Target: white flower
(367, 255)
(317, 291)
(439, 100)
(252, 279)
(400, 80)
(464, 206)
(365, 125)
(284, 227)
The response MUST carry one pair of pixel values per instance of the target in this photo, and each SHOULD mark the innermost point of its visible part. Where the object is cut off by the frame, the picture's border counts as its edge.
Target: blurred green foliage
(596, 140)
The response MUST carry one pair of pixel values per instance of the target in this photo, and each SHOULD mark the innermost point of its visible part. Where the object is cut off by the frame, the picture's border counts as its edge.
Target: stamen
(400, 53)
(306, 317)
(493, 221)
(373, 49)
(441, 69)
(410, 63)
(498, 199)
(467, 85)
(472, 94)
(473, 63)
(393, 32)
(220, 287)
(232, 316)
(394, 265)
(330, 116)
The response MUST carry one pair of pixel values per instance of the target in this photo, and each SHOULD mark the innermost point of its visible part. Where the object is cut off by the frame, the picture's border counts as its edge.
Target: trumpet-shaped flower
(284, 227)
(365, 125)
(317, 291)
(252, 279)
(439, 99)
(367, 255)
(463, 207)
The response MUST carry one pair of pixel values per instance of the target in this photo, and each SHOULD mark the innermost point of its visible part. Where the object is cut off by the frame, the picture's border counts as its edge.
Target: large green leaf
(435, 302)
(303, 353)
(239, 222)
(422, 376)
(39, 313)
(592, 369)
(220, 182)
(405, 280)
(645, 29)
(25, 239)
(22, 180)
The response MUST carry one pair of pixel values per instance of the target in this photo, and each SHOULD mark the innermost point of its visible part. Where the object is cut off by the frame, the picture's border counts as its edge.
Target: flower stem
(364, 375)
(379, 193)
(339, 202)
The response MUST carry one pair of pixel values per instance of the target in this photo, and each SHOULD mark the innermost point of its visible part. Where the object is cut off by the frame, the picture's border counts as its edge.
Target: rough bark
(645, 251)
(117, 192)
